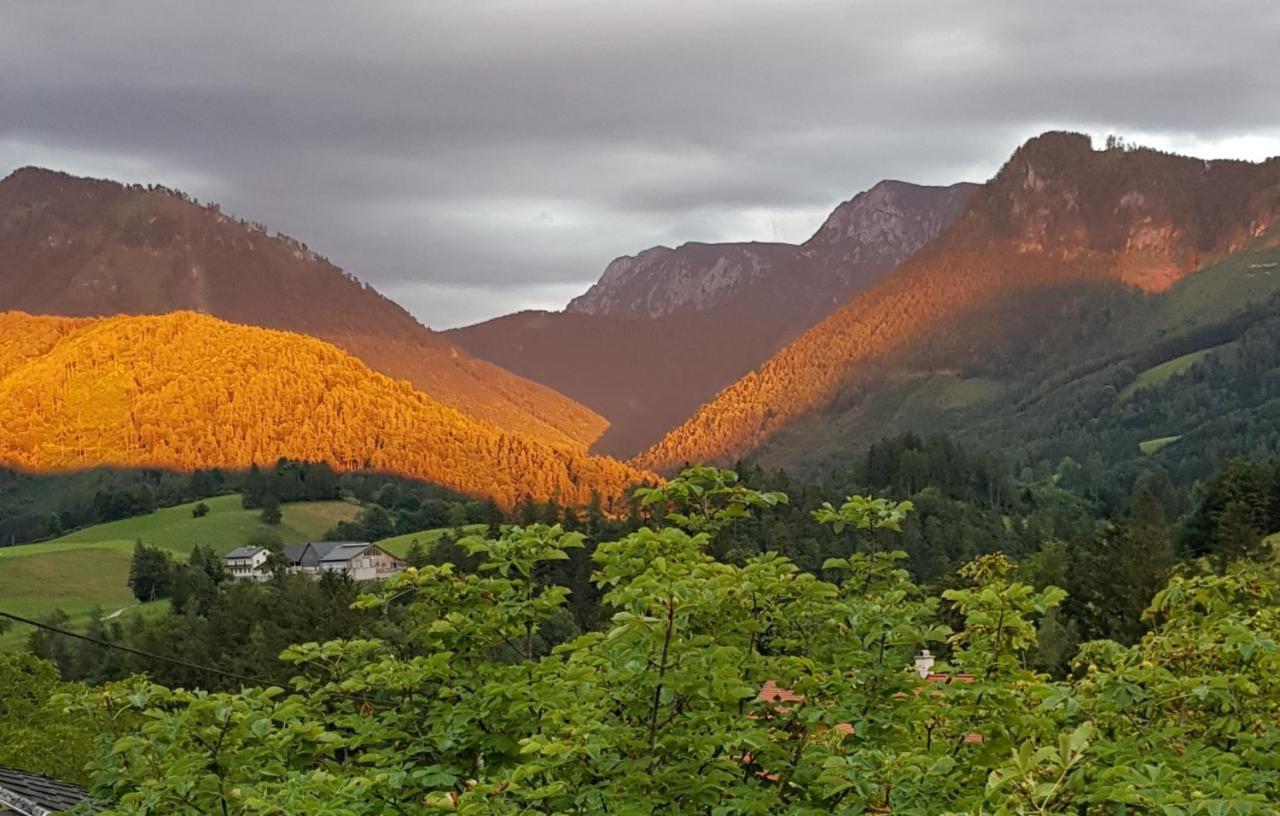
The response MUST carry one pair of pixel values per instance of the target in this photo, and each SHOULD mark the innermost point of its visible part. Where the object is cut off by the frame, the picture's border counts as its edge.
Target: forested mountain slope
(1060, 225)
(82, 247)
(1115, 381)
(663, 331)
(187, 391)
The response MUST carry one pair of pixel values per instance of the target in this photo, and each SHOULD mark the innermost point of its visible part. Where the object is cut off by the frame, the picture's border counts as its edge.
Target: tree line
(1110, 561)
(34, 507)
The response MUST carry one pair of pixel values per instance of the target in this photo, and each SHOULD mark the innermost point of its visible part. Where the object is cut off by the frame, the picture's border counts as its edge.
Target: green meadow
(399, 545)
(89, 568)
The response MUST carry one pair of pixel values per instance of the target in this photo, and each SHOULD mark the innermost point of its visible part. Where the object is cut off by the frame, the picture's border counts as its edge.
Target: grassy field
(1150, 446)
(89, 568)
(399, 545)
(1158, 374)
(1219, 290)
(227, 526)
(952, 391)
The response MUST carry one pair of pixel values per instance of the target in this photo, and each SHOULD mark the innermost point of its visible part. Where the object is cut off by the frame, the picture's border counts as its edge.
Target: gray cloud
(473, 157)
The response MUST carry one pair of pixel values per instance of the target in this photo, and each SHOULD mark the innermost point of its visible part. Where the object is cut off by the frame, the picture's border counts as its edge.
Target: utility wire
(255, 681)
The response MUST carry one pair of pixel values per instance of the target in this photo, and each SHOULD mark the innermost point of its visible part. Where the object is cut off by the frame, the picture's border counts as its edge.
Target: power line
(257, 681)
(364, 699)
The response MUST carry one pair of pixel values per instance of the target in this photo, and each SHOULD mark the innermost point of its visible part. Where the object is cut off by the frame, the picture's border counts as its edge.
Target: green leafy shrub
(489, 705)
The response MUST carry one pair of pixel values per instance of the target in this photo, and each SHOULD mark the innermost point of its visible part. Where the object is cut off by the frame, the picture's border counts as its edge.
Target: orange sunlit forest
(187, 391)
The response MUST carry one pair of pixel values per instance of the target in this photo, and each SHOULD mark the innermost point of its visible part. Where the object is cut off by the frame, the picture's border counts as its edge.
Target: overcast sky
(473, 158)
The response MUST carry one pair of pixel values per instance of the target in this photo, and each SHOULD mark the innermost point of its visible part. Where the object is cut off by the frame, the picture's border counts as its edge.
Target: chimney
(924, 663)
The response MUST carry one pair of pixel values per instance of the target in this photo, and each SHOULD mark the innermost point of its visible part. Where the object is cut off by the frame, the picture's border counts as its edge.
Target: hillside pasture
(399, 545)
(89, 569)
(1159, 374)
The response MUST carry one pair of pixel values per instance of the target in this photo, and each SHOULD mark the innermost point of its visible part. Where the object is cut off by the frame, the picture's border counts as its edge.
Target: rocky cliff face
(1154, 216)
(874, 231)
(862, 240)
(660, 281)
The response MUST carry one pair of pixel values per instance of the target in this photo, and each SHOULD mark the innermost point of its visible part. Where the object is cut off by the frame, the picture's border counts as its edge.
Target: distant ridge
(862, 240)
(84, 247)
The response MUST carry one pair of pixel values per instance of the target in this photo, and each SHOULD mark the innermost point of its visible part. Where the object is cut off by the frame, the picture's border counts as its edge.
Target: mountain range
(1044, 311)
(1057, 217)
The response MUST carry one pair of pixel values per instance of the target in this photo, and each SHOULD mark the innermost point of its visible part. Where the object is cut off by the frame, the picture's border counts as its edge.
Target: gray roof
(245, 552)
(34, 795)
(325, 552)
(339, 550)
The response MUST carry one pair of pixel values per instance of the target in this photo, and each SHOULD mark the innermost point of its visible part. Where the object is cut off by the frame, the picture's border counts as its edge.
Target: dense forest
(1214, 398)
(1067, 527)
(39, 506)
(474, 685)
(184, 391)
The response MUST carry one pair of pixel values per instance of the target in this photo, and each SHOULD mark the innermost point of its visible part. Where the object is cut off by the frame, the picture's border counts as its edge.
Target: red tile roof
(771, 692)
(775, 694)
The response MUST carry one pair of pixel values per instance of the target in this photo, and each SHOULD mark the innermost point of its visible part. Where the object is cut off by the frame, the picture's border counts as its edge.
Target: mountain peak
(86, 247)
(1056, 144)
(1157, 216)
(34, 183)
(1059, 214)
(33, 179)
(880, 218)
(660, 280)
(864, 238)
(32, 171)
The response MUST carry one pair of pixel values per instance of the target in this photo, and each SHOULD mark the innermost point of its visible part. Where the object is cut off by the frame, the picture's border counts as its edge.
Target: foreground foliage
(478, 711)
(36, 732)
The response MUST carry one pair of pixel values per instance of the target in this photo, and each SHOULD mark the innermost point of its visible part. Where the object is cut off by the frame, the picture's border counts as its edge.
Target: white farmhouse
(248, 563)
